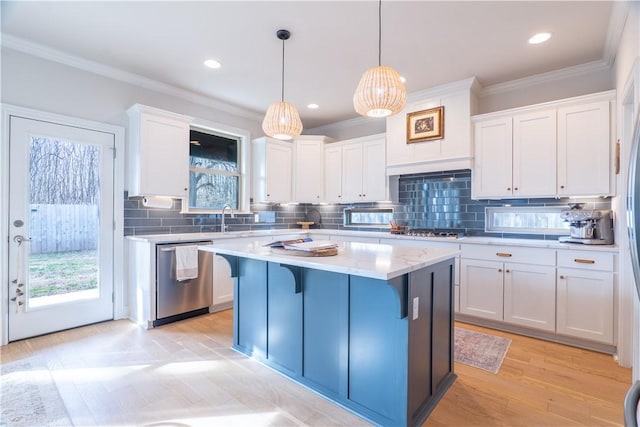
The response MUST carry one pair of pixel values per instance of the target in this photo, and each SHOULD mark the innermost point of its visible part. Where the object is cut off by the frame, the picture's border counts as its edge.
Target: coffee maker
(589, 227)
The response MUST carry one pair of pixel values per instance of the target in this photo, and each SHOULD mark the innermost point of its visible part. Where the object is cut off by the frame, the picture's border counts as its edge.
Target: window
(373, 217)
(216, 171)
(526, 220)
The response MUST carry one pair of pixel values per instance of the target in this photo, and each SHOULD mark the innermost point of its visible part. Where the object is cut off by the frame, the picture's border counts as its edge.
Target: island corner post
(381, 348)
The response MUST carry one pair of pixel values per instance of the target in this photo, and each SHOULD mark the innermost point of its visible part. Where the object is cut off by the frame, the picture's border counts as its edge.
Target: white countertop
(276, 233)
(377, 261)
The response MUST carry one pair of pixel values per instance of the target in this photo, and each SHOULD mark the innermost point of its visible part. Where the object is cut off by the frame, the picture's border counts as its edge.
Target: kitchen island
(370, 328)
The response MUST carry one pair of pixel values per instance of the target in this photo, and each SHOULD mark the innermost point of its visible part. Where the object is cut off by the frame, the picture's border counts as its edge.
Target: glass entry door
(60, 227)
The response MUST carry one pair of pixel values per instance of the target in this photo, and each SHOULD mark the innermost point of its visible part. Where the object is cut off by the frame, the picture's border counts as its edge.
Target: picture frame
(425, 125)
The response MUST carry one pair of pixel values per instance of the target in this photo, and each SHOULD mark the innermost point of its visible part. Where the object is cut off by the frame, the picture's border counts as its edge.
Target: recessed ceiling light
(212, 63)
(403, 80)
(539, 38)
(313, 106)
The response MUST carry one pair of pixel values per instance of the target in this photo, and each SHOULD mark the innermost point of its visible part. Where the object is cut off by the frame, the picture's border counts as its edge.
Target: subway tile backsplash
(440, 200)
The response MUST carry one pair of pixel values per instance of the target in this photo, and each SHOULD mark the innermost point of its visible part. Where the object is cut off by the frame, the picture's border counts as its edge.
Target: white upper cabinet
(584, 159)
(309, 169)
(454, 151)
(272, 170)
(515, 156)
(333, 173)
(493, 151)
(534, 154)
(158, 152)
(557, 149)
(363, 169)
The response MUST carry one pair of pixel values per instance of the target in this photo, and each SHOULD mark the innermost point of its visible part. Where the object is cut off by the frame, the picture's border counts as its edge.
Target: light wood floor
(184, 373)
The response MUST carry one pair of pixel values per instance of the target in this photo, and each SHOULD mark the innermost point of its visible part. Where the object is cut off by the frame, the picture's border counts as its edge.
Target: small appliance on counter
(589, 227)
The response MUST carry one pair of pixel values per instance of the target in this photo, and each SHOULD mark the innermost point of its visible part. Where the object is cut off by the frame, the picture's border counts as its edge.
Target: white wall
(37, 83)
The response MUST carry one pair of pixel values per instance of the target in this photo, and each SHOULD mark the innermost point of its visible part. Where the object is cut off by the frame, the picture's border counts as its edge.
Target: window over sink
(217, 170)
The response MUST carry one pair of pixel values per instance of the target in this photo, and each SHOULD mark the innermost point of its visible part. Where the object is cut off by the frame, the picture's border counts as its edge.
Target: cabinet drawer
(586, 260)
(509, 254)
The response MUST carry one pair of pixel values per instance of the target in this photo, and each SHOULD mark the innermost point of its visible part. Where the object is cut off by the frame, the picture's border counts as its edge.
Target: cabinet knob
(562, 276)
(499, 270)
(507, 271)
(364, 195)
(186, 189)
(562, 187)
(515, 188)
(268, 195)
(508, 188)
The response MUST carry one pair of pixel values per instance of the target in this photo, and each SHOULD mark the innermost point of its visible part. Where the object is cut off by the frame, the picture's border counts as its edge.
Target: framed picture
(425, 125)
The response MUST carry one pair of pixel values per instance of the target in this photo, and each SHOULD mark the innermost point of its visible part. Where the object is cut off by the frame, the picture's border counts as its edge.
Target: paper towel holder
(159, 202)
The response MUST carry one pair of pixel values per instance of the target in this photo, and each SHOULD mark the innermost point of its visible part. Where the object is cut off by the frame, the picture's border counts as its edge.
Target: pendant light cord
(379, 33)
(282, 70)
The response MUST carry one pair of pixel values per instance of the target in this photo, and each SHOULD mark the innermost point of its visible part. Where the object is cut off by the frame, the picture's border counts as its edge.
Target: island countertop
(376, 261)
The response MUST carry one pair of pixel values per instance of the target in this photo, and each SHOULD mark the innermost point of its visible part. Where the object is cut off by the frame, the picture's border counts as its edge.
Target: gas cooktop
(419, 232)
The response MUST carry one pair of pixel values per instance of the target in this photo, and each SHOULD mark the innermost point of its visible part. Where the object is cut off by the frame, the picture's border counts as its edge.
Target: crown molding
(560, 74)
(44, 52)
(470, 83)
(617, 20)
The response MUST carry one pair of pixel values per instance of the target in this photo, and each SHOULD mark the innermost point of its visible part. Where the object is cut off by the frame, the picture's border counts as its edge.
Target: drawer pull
(584, 261)
(503, 254)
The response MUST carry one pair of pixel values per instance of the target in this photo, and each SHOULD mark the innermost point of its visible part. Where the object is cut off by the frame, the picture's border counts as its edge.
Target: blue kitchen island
(370, 328)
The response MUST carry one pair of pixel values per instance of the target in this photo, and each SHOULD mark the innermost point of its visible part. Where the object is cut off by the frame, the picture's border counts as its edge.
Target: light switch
(416, 306)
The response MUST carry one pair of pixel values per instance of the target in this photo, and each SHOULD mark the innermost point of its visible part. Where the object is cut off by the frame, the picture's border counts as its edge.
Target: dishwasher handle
(172, 247)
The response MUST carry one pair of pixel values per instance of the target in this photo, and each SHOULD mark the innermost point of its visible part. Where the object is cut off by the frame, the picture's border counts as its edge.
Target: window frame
(244, 162)
(491, 211)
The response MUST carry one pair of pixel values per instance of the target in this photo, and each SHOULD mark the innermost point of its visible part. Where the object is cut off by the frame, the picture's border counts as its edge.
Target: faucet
(223, 227)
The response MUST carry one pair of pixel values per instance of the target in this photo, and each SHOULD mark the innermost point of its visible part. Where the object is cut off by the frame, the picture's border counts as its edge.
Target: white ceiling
(332, 43)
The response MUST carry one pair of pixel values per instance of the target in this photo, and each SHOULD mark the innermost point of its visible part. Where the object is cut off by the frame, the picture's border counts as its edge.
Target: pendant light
(282, 120)
(380, 92)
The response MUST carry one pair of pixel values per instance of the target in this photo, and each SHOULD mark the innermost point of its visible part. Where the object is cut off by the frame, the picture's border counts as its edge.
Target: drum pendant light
(282, 120)
(380, 92)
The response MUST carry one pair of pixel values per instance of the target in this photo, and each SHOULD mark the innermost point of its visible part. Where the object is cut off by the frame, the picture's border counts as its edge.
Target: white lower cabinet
(481, 288)
(520, 291)
(586, 295)
(529, 295)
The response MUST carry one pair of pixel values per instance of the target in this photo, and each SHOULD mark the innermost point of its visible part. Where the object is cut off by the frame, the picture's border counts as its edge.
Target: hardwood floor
(185, 373)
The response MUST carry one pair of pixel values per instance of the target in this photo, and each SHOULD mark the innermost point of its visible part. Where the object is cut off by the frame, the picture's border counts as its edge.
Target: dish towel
(186, 262)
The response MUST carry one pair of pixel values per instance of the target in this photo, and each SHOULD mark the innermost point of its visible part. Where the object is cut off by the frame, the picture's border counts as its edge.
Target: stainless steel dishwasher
(176, 300)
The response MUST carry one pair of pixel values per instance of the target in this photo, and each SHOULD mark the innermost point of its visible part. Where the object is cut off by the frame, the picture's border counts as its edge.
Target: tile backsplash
(440, 200)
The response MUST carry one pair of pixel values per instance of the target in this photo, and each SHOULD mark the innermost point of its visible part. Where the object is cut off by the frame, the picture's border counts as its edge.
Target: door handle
(19, 239)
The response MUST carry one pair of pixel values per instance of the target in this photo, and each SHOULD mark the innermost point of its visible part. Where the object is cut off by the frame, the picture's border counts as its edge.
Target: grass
(62, 273)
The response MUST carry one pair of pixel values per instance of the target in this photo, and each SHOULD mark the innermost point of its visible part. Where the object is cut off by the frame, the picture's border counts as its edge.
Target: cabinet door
(333, 174)
(584, 163)
(493, 158)
(374, 176)
(309, 171)
(352, 172)
(279, 158)
(481, 288)
(585, 304)
(159, 156)
(534, 154)
(530, 296)
(222, 282)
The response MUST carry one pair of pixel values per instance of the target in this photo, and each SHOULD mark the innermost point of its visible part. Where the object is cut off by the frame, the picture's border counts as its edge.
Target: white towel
(186, 262)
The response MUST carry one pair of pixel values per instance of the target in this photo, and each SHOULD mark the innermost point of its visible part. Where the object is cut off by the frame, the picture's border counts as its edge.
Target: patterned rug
(29, 396)
(480, 350)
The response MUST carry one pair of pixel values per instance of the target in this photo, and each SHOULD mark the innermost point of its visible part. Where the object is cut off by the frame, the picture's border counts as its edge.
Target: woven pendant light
(282, 120)
(380, 92)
